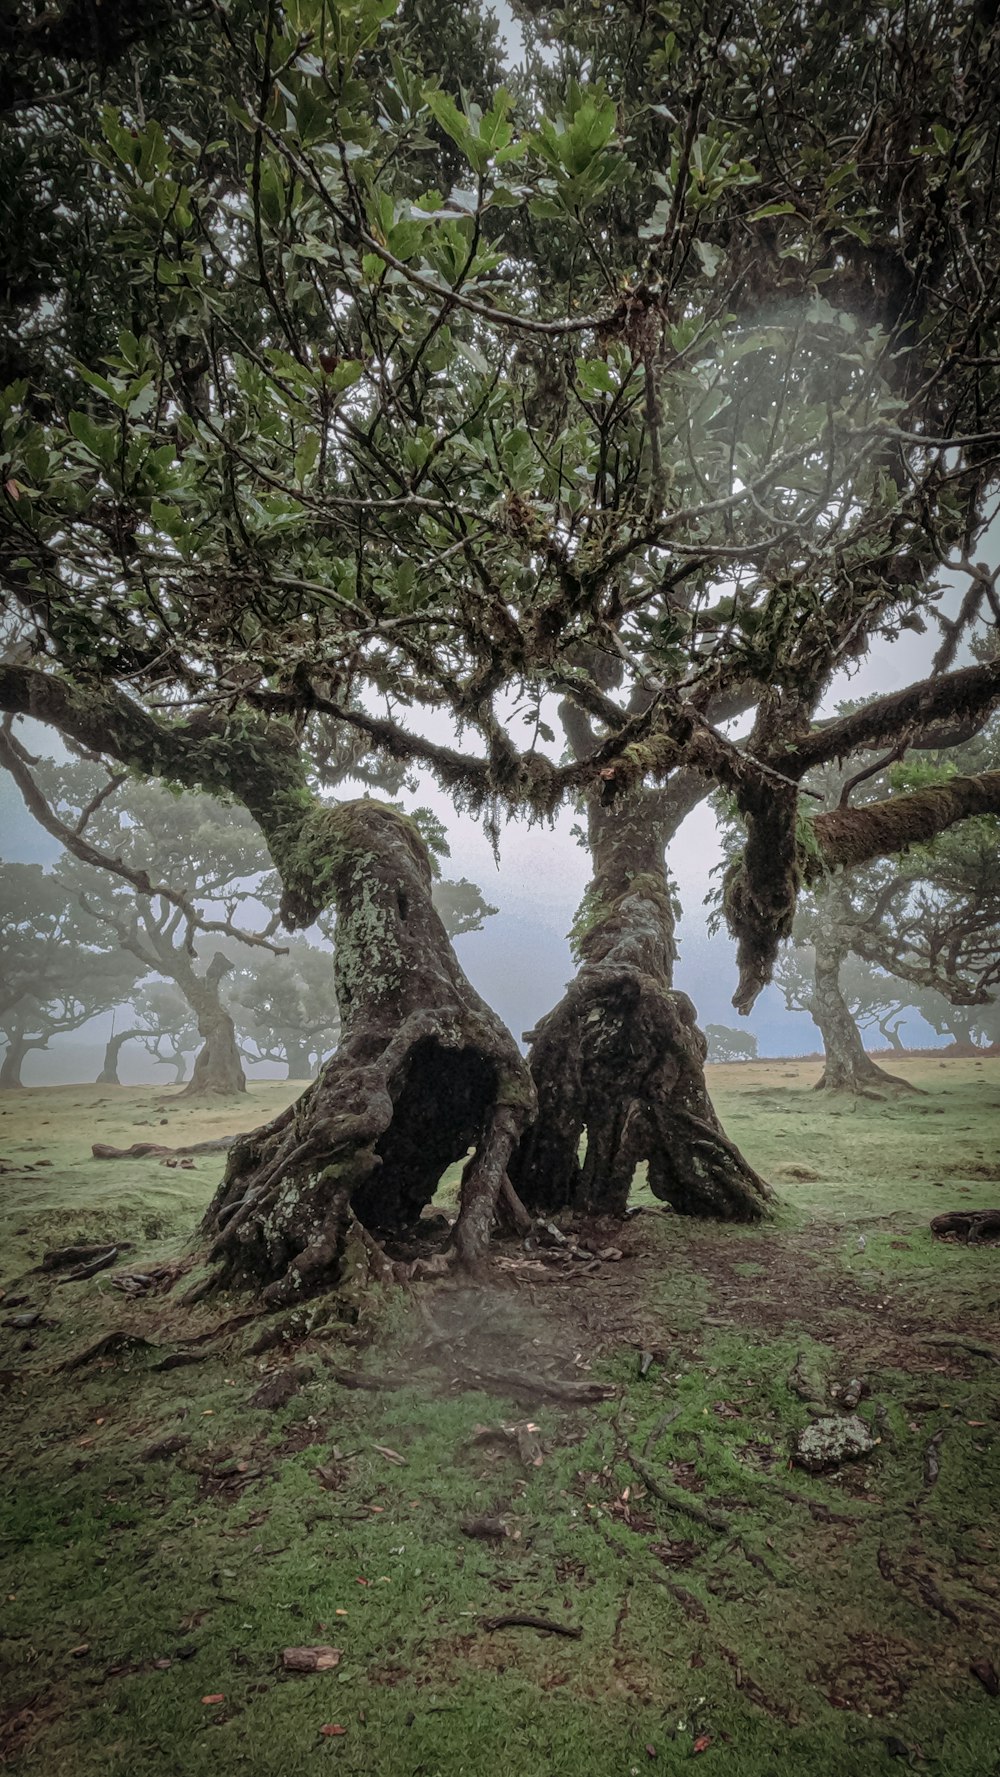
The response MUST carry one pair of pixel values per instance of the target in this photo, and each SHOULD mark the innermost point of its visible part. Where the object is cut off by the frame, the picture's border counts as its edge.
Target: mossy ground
(826, 1634)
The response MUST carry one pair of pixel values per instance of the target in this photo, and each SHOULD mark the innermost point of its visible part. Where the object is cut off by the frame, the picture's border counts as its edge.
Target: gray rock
(828, 1442)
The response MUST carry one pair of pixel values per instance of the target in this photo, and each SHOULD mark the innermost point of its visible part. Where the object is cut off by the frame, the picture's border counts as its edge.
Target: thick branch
(905, 717)
(847, 837)
(72, 838)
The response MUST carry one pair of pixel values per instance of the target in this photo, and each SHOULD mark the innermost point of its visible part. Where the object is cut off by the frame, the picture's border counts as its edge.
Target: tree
(166, 1027)
(285, 1007)
(285, 1004)
(726, 1044)
(971, 1028)
(372, 446)
(930, 919)
(56, 976)
(163, 877)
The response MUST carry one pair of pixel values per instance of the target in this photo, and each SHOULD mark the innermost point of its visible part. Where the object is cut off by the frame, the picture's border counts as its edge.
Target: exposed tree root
(677, 1498)
(545, 1625)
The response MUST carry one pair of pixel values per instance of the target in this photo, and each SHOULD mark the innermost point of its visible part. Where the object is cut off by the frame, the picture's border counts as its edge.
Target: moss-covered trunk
(218, 1070)
(848, 1066)
(619, 1064)
(423, 1072)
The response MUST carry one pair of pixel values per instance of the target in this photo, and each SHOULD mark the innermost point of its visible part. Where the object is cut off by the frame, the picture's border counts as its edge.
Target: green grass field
(166, 1534)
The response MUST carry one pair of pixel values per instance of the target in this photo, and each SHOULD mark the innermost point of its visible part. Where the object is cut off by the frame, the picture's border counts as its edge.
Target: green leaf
(711, 257)
(100, 441)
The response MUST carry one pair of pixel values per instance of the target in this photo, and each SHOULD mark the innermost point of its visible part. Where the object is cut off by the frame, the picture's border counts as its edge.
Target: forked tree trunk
(424, 1071)
(848, 1066)
(619, 1064)
(108, 1075)
(218, 1070)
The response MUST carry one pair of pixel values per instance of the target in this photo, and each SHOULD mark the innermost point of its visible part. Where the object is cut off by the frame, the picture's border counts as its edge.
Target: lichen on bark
(424, 1073)
(619, 1063)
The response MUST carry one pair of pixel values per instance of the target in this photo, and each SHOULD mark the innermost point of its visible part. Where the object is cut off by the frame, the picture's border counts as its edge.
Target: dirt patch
(874, 1676)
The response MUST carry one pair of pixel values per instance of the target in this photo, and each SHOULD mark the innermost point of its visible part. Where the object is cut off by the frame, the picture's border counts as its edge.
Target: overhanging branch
(848, 837)
(948, 703)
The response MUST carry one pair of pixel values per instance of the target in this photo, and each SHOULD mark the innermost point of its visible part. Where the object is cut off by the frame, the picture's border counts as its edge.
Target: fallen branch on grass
(143, 1150)
(544, 1625)
(971, 1224)
(59, 1257)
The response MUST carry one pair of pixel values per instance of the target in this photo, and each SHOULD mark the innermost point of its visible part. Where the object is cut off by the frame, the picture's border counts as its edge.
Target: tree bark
(18, 1047)
(619, 1064)
(218, 1070)
(108, 1075)
(299, 1059)
(424, 1071)
(848, 1066)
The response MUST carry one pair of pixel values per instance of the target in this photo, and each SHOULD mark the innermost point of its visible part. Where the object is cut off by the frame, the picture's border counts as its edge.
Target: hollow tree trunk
(848, 1066)
(424, 1070)
(218, 1069)
(108, 1075)
(619, 1064)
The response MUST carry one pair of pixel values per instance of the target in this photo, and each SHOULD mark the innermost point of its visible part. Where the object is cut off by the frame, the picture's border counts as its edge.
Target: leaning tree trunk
(423, 1072)
(13, 1061)
(619, 1064)
(218, 1070)
(108, 1075)
(848, 1067)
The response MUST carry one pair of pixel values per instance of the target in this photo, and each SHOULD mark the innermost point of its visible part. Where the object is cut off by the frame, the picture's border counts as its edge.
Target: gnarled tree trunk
(108, 1075)
(18, 1046)
(424, 1071)
(218, 1069)
(619, 1064)
(848, 1067)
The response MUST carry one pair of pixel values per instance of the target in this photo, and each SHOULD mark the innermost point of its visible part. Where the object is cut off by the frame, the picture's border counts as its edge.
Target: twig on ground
(932, 1461)
(659, 1428)
(678, 1498)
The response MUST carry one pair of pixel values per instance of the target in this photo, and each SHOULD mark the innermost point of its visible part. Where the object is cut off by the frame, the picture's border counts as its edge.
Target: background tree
(685, 373)
(726, 1044)
(164, 877)
(929, 920)
(973, 1029)
(57, 973)
(158, 1017)
(285, 1008)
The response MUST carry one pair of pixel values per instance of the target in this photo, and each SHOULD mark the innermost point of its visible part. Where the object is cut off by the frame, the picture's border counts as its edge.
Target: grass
(829, 1634)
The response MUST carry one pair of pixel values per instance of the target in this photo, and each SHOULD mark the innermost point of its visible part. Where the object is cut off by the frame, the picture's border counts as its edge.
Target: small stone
(828, 1442)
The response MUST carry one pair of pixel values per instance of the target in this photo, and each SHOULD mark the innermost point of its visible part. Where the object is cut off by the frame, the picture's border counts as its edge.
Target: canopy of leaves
(56, 970)
(678, 355)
